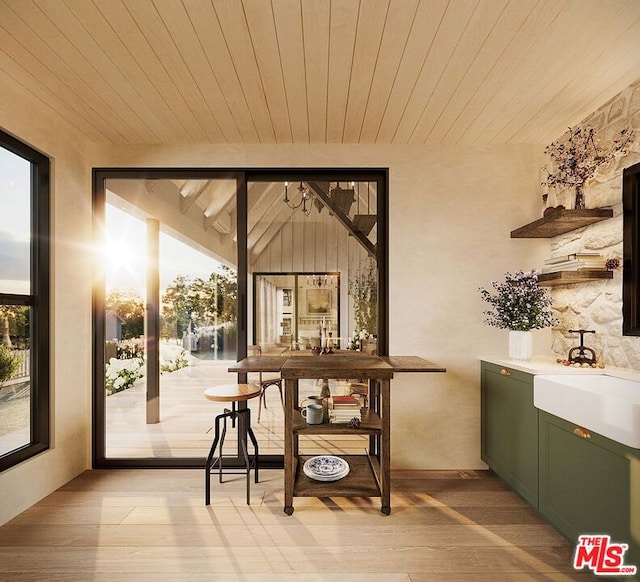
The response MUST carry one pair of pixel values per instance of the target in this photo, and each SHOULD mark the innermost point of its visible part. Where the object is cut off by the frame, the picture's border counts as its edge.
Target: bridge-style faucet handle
(582, 332)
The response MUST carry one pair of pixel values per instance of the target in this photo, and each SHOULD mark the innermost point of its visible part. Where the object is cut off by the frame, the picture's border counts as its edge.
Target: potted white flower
(519, 305)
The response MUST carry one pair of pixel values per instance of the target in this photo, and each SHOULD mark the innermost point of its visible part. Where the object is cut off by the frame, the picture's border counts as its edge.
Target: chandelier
(320, 281)
(306, 198)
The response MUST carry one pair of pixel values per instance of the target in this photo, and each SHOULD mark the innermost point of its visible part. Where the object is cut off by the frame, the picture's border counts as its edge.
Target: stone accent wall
(598, 305)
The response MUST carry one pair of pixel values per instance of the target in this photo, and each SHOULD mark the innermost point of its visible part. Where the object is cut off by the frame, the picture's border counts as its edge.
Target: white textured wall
(25, 484)
(451, 212)
(598, 305)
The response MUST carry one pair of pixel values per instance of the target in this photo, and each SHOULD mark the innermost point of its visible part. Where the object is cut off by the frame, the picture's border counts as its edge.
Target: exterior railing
(25, 364)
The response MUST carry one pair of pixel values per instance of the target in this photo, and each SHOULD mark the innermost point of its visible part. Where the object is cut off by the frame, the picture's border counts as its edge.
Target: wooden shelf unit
(558, 221)
(569, 277)
(369, 474)
(366, 478)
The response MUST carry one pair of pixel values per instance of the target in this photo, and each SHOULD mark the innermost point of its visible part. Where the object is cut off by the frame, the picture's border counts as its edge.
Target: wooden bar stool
(233, 393)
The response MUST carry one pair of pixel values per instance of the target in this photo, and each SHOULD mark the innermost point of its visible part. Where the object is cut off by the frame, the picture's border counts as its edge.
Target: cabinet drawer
(507, 372)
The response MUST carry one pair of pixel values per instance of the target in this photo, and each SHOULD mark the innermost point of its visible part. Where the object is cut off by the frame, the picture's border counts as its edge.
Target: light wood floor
(152, 525)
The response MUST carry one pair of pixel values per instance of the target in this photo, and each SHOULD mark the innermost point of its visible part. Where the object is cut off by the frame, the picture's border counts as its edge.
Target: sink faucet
(582, 355)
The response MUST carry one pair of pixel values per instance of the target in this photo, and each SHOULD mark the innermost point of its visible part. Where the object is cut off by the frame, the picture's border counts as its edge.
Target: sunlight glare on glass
(124, 251)
(15, 223)
(124, 255)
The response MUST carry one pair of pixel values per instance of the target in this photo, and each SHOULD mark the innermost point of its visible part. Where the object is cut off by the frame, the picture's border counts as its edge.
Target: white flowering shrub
(122, 374)
(172, 357)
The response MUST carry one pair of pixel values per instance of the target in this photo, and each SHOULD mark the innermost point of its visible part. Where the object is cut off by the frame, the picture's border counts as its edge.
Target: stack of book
(343, 409)
(575, 262)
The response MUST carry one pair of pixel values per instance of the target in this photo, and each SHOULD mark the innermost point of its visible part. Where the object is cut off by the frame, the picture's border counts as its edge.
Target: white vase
(520, 345)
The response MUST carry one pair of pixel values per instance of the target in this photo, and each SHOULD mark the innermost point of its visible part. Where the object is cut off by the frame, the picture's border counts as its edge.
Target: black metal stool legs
(218, 441)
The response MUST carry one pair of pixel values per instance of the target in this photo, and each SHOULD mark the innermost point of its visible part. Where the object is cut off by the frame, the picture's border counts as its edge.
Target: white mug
(313, 413)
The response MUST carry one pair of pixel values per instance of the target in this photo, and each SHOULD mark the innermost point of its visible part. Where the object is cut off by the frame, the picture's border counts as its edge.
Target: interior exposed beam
(272, 230)
(321, 189)
(273, 215)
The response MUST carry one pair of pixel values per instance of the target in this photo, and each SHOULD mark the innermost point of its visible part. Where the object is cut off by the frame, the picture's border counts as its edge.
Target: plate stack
(326, 468)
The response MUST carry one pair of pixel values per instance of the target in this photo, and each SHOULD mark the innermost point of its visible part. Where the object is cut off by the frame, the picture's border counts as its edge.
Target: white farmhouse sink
(604, 404)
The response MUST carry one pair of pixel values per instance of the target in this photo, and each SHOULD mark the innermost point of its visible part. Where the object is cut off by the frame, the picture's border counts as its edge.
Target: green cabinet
(582, 482)
(585, 483)
(510, 428)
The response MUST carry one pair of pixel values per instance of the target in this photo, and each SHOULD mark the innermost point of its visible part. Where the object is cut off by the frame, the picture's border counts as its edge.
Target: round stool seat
(232, 392)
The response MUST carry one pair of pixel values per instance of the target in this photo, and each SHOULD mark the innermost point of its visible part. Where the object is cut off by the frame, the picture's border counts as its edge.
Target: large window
(24, 298)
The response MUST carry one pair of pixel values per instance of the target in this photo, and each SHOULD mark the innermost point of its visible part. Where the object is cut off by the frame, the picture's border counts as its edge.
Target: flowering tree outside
(519, 304)
(199, 301)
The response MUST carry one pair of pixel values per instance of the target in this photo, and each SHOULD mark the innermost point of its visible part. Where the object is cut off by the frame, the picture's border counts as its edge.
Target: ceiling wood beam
(321, 190)
(219, 195)
(190, 191)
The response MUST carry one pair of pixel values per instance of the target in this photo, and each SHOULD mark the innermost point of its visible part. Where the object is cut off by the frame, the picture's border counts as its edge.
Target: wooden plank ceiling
(321, 71)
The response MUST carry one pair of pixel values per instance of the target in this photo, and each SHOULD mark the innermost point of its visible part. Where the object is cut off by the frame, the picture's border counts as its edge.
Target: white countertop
(548, 365)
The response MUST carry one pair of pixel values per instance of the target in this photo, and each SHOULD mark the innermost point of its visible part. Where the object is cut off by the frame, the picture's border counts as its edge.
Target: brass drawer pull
(505, 372)
(583, 433)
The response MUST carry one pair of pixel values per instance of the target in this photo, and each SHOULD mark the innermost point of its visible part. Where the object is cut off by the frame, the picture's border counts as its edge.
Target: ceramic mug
(313, 413)
(313, 400)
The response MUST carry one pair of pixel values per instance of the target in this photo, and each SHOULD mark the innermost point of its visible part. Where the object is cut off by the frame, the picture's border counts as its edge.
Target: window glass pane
(15, 223)
(311, 261)
(197, 269)
(15, 378)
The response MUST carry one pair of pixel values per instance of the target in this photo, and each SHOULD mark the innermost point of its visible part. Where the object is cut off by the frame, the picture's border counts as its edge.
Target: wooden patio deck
(186, 418)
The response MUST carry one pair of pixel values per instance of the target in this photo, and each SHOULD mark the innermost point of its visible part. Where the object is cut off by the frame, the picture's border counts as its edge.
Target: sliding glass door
(166, 313)
(197, 267)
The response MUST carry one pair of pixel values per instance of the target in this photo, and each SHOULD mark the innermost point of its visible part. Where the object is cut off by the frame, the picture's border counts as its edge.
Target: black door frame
(242, 176)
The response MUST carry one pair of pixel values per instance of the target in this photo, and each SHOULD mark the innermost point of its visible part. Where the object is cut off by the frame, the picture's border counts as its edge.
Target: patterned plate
(326, 468)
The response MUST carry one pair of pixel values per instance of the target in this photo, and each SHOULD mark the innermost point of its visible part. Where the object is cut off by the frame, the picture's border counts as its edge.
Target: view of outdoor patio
(186, 419)
(15, 378)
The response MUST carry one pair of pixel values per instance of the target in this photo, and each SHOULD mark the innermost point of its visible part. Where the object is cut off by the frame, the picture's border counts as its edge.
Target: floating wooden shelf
(557, 221)
(569, 277)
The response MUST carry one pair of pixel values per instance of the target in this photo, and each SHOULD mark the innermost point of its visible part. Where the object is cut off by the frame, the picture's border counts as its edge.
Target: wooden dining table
(369, 474)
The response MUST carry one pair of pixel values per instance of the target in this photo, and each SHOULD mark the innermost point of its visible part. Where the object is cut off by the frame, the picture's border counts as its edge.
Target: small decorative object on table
(354, 423)
(576, 158)
(520, 305)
